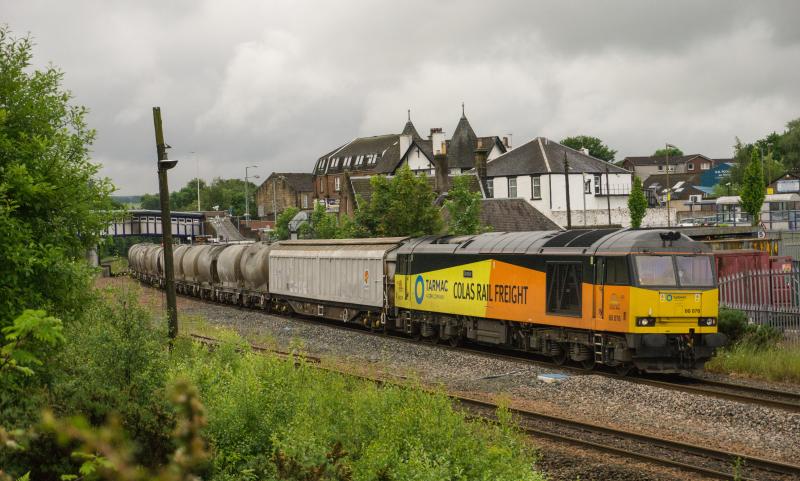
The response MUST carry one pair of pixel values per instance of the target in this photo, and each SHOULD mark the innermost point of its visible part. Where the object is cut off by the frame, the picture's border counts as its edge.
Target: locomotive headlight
(707, 321)
(645, 321)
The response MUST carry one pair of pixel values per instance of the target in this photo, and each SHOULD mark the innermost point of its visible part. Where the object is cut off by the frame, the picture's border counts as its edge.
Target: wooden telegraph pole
(166, 223)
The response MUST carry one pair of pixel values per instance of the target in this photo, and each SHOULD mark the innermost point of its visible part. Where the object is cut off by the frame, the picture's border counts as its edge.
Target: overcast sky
(278, 84)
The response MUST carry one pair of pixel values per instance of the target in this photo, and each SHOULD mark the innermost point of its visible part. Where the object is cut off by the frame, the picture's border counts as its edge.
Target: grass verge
(779, 363)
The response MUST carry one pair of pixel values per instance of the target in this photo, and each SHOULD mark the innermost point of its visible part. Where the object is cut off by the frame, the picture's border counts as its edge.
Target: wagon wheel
(624, 369)
(560, 358)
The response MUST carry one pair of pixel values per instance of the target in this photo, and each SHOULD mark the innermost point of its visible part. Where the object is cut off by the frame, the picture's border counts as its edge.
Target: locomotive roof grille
(589, 238)
(563, 239)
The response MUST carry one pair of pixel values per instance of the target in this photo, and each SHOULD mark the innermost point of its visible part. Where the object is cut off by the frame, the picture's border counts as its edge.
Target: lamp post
(166, 223)
(246, 195)
(669, 187)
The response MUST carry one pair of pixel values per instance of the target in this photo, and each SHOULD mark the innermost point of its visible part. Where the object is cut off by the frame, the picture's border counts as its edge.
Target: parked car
(690, 222)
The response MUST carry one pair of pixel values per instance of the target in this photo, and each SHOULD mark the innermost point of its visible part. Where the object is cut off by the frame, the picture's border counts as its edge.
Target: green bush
(780, 363)
(116, 362)
(269, 419)
(732, 323)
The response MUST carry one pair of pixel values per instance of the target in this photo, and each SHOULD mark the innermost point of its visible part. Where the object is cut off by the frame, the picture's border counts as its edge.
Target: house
(643, 167)
(290, 190)
(787, 183)
(535, 172)
(384, 154)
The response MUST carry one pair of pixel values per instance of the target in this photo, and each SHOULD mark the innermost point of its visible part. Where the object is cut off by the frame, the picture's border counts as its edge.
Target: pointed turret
(409, 129)
(461, 149)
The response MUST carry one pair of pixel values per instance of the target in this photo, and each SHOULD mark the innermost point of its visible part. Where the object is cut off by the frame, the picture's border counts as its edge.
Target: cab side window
(617, 273)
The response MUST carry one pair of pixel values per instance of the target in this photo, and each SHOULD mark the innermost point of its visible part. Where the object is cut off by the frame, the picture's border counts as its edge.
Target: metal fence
(767, 297)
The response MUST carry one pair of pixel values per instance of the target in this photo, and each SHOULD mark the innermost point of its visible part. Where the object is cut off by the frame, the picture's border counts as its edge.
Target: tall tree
(596, 146)
(752, 191)
(788, 144)
(637, 203)
(672, 151)
(400, 206)
(53, 205)
(463, 207)
(282, 223)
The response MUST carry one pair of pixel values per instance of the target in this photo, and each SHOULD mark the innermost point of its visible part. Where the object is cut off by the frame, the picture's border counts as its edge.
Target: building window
(598, 187)
(690, 166)
(512, 187)
(705, 166)
(587, 186)
(490, 189)
(337, 184)
(660, 167)
(305, 201)
(536, 187)
(322, 185)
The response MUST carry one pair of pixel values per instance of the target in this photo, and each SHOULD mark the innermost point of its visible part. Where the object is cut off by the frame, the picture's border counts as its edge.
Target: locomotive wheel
(624, 369)
(433, 339)
(454, 341)
(588, 364)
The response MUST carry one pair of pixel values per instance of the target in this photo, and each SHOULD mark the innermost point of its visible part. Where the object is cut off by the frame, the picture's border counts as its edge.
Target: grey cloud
(279, 83)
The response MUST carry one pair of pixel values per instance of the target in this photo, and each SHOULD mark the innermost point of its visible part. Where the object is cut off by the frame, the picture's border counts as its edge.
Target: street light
(246, 197)
(669, 186)
(197, 169)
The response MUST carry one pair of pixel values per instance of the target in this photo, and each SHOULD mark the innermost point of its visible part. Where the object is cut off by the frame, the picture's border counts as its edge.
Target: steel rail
(719, 457)
(749, 394)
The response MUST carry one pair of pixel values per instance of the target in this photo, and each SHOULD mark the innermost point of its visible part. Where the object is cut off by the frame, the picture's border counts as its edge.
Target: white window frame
(536, 187)
(509, 187)
(690, 166)
(587, 186)
(598, 184)
(304, 201)
(490, 188)
(337, 183)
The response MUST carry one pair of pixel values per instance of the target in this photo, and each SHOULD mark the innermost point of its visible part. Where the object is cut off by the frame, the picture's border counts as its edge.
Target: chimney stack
(437, 141)
(442, 170)
(507, 141)
(585, 150)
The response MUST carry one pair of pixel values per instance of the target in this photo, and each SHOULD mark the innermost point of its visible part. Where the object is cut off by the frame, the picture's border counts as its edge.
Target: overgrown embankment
(755, 351)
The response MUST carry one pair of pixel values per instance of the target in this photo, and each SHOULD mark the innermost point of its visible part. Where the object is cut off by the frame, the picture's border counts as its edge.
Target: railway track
(713, 463)
(785, 400)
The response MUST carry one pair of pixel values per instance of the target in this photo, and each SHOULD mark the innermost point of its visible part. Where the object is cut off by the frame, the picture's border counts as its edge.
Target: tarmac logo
(419, 289)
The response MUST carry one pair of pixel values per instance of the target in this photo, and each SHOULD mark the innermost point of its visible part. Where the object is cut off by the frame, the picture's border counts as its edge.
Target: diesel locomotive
(642, 300)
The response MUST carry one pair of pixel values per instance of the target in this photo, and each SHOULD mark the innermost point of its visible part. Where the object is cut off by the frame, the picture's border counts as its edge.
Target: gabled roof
(514, 215)
(374, 154)
(544, 156)
(299, 181)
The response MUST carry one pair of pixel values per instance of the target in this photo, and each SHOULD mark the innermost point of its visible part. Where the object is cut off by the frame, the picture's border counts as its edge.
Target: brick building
(291, 190)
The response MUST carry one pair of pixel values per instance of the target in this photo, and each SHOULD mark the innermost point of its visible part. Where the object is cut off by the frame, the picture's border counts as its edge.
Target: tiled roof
(544, 156)
(661, 179)
(514, 215)
(409, 129)
(299, 181)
